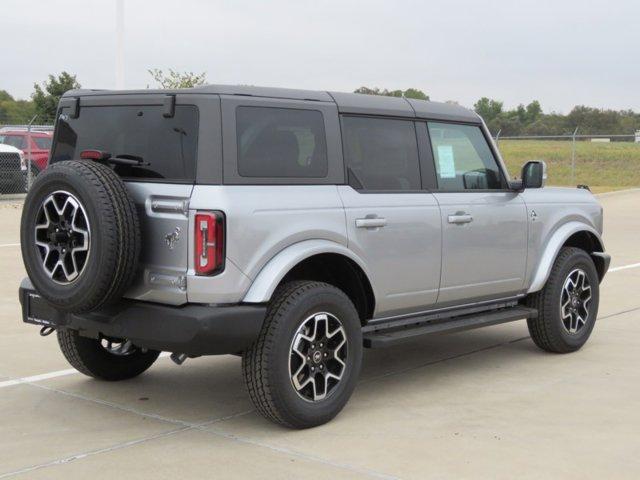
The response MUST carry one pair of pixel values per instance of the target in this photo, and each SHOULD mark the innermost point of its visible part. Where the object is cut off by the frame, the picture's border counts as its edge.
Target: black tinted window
(166, 145)
(463, 158)
(281, 142)
(381, 154)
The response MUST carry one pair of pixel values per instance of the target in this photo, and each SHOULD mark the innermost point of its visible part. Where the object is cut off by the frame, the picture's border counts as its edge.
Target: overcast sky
(562, 52)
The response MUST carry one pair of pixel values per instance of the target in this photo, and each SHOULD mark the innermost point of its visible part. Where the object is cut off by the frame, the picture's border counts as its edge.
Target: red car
(40, 146)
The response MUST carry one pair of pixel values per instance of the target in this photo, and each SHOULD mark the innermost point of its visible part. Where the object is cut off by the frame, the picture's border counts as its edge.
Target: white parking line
(9, 245)
(624, 267)
(38, 378)
(71, 371)
(47, 376)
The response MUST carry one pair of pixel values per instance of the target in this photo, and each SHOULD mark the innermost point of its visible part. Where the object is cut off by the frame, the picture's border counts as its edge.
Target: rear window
(167, 146)
(281, 143)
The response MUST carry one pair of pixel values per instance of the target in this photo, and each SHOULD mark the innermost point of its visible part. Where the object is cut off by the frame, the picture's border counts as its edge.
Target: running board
(392, 336)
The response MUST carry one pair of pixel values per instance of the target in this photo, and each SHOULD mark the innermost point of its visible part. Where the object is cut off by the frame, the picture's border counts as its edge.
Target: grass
(602, 166)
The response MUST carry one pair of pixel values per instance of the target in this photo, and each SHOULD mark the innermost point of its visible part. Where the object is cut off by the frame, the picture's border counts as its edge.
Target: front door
(484, 224)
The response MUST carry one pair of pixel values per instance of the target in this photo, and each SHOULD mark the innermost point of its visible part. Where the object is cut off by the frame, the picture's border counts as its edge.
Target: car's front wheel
(567, 305)
(305, 364)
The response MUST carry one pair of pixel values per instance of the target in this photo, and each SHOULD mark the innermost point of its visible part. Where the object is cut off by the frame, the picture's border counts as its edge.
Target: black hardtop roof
(355, 103)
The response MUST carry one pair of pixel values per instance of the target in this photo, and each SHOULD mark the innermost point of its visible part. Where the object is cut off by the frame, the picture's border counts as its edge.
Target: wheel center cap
(317, 356)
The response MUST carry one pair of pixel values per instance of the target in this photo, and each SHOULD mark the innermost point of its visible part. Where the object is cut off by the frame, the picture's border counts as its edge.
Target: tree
(47, 96)
(14, 111)
(175, 79)
(488, 109)
(408, 93)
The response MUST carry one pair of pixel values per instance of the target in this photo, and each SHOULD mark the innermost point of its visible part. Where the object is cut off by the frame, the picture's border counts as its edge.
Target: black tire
(548, 330)
(113, 245)
(89, 357)
(266, 366)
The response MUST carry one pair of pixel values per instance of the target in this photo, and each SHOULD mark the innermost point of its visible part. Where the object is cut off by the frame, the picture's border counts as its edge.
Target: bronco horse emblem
(172, 238)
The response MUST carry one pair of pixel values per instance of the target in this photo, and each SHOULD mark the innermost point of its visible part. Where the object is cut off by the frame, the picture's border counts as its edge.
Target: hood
(9, 149)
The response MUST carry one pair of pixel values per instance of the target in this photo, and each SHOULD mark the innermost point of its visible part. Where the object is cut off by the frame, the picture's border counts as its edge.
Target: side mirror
(534, 174)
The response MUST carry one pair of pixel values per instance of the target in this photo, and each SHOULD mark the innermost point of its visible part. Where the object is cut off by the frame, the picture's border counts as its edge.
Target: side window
(380, 153)
(463, 159)
(281, 143)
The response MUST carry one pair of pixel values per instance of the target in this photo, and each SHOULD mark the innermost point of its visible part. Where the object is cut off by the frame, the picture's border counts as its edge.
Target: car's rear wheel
(567, 305)
(105, 358)
(305, 364)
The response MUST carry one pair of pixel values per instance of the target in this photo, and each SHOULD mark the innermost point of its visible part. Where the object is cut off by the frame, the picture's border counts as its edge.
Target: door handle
(460, 218)
(370, 222)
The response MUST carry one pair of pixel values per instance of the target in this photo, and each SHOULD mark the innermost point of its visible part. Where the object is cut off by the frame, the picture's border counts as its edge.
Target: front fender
(274, 271)
(553, 246)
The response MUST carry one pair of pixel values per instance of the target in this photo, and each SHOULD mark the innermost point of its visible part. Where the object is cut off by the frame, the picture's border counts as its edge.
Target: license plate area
(37, 311)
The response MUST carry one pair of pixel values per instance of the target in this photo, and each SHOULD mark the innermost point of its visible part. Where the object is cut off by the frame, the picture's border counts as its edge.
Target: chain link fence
(24, 152)
(603, 161)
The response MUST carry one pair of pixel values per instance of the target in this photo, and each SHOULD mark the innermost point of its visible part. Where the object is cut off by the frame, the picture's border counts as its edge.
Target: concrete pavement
(479, 404)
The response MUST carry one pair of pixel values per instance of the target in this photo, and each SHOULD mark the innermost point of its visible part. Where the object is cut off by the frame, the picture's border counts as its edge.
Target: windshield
(167, 145)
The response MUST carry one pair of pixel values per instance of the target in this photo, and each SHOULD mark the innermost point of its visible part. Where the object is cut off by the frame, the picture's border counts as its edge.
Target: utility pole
(119, 44)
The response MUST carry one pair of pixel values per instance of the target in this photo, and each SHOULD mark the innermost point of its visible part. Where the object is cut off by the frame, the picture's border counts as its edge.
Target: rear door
(484, 224)
(392, 223)
(164, 136)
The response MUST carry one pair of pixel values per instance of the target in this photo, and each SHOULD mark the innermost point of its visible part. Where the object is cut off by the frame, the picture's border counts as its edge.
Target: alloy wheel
(318, 354)
(62, 235)
(575, 301)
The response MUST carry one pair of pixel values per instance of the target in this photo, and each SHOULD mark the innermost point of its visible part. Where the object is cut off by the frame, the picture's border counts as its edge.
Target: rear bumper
(191, 329)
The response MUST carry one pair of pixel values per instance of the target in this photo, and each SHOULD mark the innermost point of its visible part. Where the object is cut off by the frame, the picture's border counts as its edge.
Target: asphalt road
(479, 404)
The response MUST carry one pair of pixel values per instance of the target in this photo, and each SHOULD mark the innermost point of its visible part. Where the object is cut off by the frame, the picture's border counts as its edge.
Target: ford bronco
(293, 228)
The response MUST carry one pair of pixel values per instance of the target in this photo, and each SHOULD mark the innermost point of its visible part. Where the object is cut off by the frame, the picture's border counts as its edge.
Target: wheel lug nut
(313, 369)
(313, 346)
(325, 354)
(320, 345)
(321, 367)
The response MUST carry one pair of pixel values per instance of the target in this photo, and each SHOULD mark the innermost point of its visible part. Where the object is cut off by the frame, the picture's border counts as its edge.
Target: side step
(392, 336)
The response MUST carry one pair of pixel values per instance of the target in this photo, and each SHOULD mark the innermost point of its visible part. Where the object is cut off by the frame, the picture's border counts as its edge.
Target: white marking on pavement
(624, 267)
(47, 376)
(9, 245)
(38, 378)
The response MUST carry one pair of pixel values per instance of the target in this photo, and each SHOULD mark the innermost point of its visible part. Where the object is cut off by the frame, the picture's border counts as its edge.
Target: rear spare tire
(79, 235)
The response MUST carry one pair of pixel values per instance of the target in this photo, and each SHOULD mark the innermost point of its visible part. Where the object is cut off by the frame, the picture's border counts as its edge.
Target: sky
(562, 53)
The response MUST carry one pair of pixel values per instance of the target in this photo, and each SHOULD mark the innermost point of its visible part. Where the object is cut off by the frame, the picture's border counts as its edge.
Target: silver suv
(293, 228)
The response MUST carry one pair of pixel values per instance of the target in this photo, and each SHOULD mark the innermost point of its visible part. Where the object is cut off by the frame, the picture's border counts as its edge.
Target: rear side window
(381, 154)
(281, 143)
(463, 159)
(166, 146)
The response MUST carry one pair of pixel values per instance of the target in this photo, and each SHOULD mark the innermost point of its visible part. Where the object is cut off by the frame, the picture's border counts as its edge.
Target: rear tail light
(94, 155)
(209, 238)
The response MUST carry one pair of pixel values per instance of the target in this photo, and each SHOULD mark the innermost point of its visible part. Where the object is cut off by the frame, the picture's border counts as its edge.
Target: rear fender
(274, 271)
